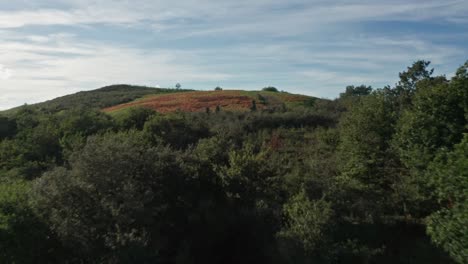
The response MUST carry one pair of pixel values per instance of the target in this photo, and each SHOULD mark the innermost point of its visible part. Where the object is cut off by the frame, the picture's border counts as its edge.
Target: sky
(49, 48)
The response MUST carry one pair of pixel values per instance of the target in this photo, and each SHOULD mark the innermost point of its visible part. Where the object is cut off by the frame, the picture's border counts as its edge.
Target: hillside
(199, 101)
(115, 98)
(99, 98)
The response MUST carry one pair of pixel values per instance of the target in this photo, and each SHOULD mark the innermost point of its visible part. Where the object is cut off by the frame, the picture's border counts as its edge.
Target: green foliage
(436, 120)
(120, 200)
(23, 237)
(307, 222)
(367, 163)
(270, 89)
(7, 127)
(409, 81)
(245, 178)
(448, 227)
(352, 91)
(134, 118)
(174, 130)
(417, 72)
(83, 122)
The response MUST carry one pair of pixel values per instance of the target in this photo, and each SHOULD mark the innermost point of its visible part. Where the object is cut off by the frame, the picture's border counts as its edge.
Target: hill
(231, 100)
(99, 98)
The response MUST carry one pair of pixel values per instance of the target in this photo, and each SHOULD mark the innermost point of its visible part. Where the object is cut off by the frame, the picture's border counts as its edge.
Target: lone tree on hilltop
(270, 89)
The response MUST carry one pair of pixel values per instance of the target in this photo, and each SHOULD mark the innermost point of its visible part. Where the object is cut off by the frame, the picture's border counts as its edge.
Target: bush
(270, 89)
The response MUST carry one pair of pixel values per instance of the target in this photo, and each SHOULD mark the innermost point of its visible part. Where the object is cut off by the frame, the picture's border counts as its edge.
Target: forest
(377, 175)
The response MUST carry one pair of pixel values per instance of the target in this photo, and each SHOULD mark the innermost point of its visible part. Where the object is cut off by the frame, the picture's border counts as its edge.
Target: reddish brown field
(191, 102)
(198, 101)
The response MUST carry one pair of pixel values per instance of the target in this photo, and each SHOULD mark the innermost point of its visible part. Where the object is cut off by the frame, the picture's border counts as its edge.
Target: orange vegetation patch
(196, 101)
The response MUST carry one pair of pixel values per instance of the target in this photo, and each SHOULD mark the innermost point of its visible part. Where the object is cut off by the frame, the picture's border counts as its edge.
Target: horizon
(54, 48)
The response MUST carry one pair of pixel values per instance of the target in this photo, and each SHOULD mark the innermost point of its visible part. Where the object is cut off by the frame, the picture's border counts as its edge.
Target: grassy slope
(99, 98)
(229, 100)
(116, 98)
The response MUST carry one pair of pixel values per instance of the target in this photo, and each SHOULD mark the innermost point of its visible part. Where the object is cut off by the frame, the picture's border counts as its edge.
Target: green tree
(120, 201)
(367, 163)
(175, 130)
(7, 127)
(307, 224)
(448, 226)
(270, 89)
(246, 179)
(415, 73)
(409, 80)
(134, 118)
(436, 120)
(23, 237)
(354, 91)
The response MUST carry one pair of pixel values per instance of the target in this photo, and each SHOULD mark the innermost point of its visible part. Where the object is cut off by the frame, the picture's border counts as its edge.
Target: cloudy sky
(50, 48)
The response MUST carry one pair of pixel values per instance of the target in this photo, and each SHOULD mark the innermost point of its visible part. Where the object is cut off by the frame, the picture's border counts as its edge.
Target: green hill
(99, 98)
(115, 98)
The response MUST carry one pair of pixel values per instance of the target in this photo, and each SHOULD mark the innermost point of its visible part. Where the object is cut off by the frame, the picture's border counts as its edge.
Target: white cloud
(225, 16)
(263, 42)
(44, 70)
(5, 73)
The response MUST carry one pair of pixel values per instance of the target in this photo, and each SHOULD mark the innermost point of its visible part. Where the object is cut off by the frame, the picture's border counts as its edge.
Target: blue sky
(55, 47)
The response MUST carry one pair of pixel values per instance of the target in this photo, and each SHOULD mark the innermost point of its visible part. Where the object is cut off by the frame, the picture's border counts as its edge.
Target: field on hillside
(199, 101)
(100, 98)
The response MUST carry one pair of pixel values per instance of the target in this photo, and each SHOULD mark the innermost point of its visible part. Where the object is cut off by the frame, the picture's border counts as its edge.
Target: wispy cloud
(54, 47)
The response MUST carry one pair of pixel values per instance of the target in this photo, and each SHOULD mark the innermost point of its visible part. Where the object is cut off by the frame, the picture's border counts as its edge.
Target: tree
(7, 127)
(270, 89)
(409, 79)
(174, 130)
(353, 95)
(435, 121)
(178, 85)
(121, 200)
(367, 163)
(307, 223)
(218, 88)
(24, 238)
(134, 118)
(415, 73)
(352, 91)
(448, 226)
